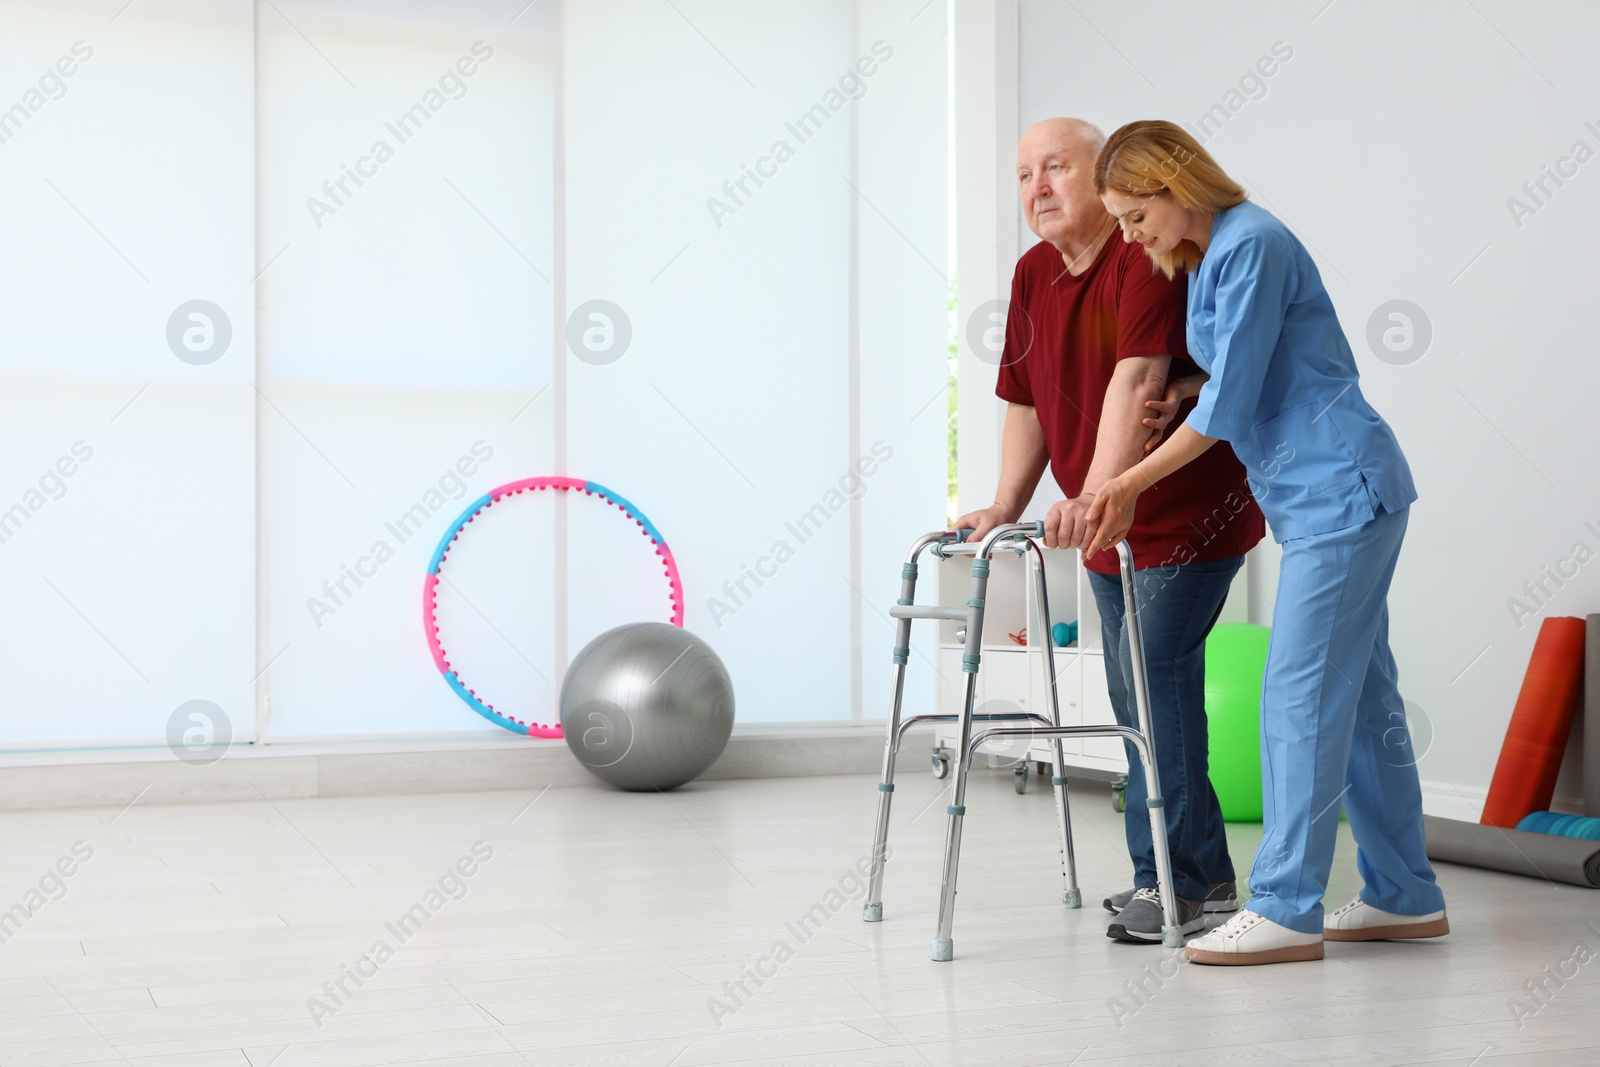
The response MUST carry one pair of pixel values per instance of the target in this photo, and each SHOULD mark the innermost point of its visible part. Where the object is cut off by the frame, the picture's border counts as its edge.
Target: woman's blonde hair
(1152, 157)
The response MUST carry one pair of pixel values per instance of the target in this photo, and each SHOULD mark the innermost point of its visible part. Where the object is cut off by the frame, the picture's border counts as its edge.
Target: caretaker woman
(1281, 388)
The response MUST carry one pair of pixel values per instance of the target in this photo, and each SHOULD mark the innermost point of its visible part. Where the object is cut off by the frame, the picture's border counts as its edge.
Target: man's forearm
(1023, 457)
(1120, 437)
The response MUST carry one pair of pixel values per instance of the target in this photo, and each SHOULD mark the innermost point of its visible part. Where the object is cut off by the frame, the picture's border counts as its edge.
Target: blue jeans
(1178, 606)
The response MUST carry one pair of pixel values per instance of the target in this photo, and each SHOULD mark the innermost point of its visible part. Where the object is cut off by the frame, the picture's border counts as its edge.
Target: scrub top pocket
(1305, 474)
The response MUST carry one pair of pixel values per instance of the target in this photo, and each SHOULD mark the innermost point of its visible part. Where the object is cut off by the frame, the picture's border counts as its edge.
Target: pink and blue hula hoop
(430, 586)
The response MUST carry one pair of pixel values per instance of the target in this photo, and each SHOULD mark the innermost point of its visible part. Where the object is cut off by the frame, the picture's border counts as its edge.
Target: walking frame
(1019, 538)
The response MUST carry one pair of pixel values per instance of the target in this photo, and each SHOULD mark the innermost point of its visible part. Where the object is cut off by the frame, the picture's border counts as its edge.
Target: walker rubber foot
(944, 950)
(1171, 937)
(872, 912)
(1072, 898)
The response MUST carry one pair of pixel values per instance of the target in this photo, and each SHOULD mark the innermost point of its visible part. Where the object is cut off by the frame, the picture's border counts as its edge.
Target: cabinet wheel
(1019, 778)
(941, 763)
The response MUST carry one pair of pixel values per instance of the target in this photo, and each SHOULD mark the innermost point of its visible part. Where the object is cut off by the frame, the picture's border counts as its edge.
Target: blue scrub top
(1283, 389)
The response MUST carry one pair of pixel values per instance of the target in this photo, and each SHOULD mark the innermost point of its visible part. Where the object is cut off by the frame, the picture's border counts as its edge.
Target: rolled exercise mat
(1549, 822)
(1591, 720)
(1525, 778)
(1560, 859)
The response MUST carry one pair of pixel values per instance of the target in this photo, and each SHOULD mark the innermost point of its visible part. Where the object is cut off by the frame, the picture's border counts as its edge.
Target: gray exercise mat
(1560, 859)
(1591, 716)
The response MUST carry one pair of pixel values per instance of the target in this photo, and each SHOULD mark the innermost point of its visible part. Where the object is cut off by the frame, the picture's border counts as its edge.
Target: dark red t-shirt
(1064, 336)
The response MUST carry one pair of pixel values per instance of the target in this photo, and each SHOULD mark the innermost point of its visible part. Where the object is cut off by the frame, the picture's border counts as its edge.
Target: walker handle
(965, 532)
(1037, 531)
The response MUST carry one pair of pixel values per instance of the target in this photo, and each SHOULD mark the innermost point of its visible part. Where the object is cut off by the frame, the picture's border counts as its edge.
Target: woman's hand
(1166, 409)
(1163, 412)
(1111, 515)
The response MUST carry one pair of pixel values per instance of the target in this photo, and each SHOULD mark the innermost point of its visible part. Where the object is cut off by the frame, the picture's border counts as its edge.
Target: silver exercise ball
(647, 706)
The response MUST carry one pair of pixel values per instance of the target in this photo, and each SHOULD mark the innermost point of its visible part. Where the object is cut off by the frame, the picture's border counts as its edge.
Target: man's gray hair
(1066, 126)
(1091, 133)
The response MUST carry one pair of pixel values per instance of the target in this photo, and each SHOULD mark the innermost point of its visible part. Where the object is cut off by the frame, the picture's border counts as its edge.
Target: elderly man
(1093, 337)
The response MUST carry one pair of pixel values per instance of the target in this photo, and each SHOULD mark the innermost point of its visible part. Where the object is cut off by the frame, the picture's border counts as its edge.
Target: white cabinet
(1069, 691)
(1097, 711)
(1006, 679)
(952, 683)
(1005, 686)
(1012, 676)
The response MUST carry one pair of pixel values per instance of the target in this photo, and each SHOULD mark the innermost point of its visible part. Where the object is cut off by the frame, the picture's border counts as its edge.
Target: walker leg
(943, 946)
(872, 907)
(1071, 896)
(1171, 934)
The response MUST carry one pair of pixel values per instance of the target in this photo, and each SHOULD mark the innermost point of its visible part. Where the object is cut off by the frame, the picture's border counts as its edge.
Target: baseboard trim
(1449, 801)
(464, 763)
(84, 779)
(1465, 802)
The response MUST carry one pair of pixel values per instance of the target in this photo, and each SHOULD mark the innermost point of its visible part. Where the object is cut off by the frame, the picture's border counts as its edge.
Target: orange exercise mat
(1525, 778)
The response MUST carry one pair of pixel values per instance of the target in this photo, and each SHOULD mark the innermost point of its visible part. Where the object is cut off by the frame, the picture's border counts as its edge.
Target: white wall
(987, 214)
(128, 585)
(404, 333)
(385, 331)
(901, 395)
(1390, 141)
(756, 377)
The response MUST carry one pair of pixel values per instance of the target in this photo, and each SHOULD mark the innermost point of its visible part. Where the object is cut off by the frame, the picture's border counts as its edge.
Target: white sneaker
(1360, 921)
(1248, 939)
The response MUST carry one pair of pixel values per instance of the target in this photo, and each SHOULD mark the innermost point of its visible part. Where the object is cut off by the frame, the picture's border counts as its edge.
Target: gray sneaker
(1222, 898)
(1142, 919)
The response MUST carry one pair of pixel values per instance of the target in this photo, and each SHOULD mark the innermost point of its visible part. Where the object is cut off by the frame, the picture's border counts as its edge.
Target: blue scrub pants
(1178, 605)
(1330, 709)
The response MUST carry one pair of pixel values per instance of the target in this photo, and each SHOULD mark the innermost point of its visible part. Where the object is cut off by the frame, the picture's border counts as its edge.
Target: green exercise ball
(1236, 659)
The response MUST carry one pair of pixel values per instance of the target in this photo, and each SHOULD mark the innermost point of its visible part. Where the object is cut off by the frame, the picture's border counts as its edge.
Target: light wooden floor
(605, 923)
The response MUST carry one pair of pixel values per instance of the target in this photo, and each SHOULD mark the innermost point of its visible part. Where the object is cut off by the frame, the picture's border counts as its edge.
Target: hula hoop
(430, 586)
